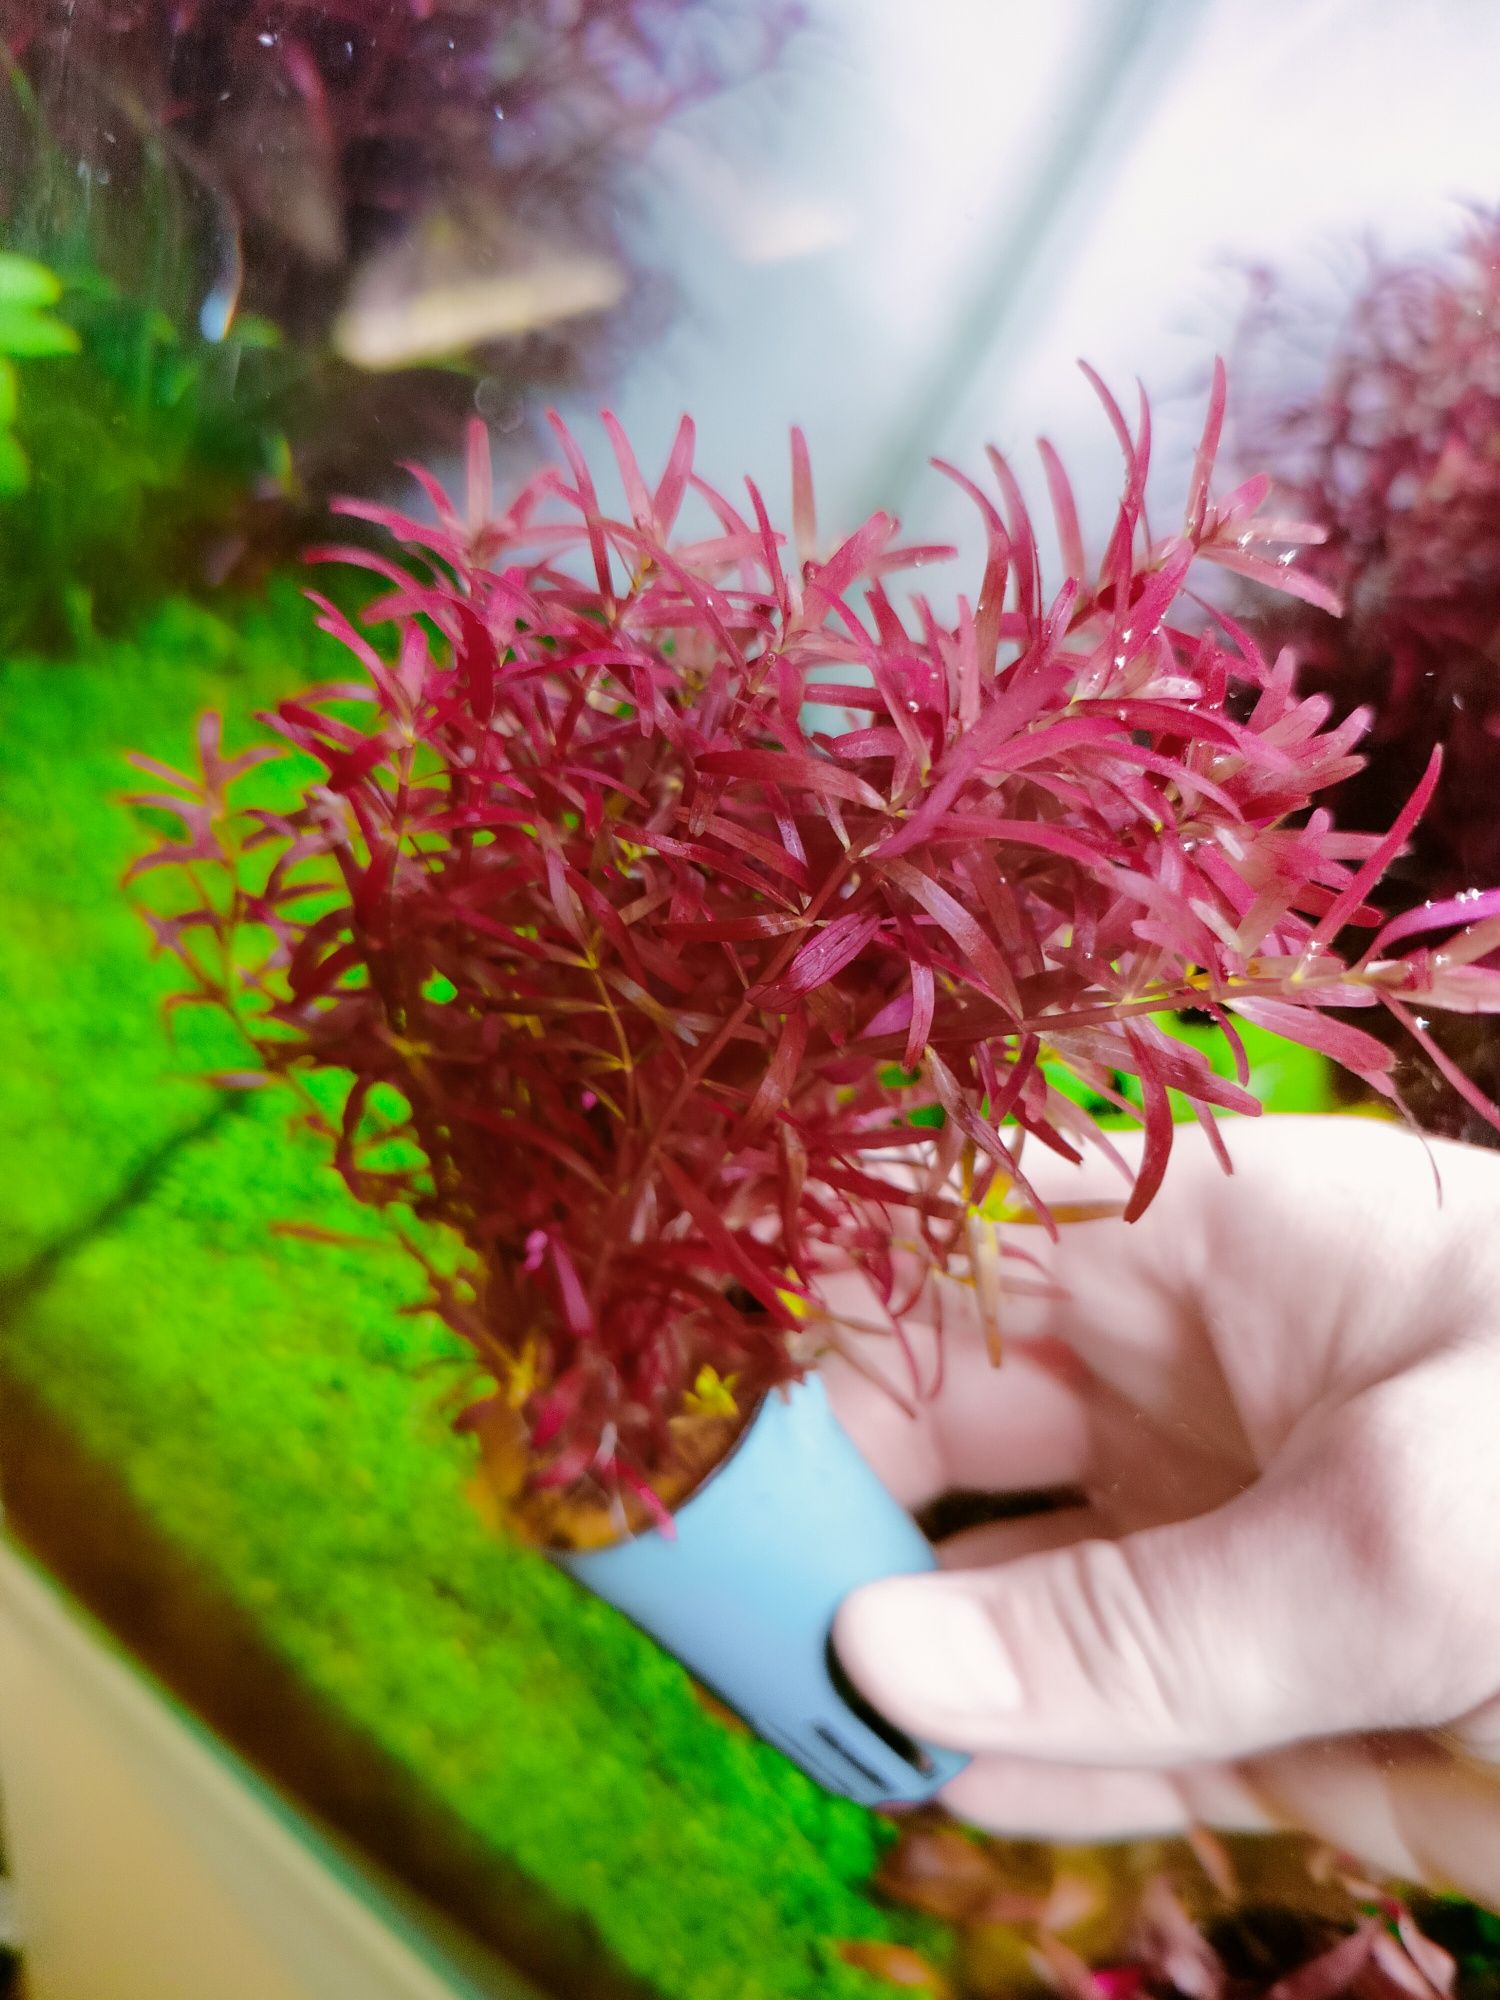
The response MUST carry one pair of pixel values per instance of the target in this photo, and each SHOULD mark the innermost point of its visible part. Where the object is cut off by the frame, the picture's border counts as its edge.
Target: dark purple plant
(635, 973)
(1396, 456)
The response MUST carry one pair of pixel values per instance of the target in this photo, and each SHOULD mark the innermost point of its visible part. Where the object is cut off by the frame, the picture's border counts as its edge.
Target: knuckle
(1115, 1633)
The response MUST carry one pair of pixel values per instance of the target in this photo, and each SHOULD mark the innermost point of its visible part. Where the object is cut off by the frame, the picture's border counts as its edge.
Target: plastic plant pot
(745, 1592)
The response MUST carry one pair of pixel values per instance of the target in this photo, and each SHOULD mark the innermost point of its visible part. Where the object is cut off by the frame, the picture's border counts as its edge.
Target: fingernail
(938, 1646)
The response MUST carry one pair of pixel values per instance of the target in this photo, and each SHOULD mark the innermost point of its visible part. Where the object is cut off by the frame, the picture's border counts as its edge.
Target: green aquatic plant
(133, 453)
(28, 329)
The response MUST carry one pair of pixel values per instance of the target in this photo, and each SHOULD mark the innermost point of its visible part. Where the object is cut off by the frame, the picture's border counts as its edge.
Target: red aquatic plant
(652, 879)
(1396, 455)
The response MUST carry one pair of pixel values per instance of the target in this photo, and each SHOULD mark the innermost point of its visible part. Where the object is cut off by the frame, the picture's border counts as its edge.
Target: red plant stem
(691, 1079)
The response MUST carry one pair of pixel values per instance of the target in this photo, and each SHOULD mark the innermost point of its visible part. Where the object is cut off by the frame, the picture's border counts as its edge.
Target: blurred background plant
(1197, 1919)
(136, 457)
(27, 329)
(1395, 452)
(263, 217)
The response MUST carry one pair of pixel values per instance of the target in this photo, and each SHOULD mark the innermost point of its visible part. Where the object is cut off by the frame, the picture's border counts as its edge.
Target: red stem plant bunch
(634, 972)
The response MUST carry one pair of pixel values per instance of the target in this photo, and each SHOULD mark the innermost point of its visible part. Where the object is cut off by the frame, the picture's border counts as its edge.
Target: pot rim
(783, 1390)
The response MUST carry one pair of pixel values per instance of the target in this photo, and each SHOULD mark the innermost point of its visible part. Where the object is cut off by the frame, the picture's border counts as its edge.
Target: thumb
(1203, 1640)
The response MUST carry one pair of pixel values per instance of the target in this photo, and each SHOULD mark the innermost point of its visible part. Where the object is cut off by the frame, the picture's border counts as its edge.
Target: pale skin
(1278, 1601)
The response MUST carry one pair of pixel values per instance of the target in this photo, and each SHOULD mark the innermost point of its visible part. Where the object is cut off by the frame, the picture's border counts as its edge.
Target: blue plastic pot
(745, 1593)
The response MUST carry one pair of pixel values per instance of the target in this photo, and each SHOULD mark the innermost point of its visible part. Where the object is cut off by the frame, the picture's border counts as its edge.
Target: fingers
(1004, 1541)
(1121, 1315)
(1262, 1623)
(1354, 1587)
(1031, 1801)
(1024, 1801)
(1403, 1805)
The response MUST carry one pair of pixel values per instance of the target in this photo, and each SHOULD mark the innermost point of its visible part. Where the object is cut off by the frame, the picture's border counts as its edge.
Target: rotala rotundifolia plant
(635, 962)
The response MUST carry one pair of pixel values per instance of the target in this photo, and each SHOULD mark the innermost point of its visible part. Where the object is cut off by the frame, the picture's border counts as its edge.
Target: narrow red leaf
(822, 957)
(1158, 1126)
(575, 1306)
(1353, 1048)
(667, 501)
(480, 480)
(1469, 907)
(923, 1003)
(642, 511)
(804, 512)
(588, 501)
(1064, 511)
(1282, 576)
(794, 773)
(1337, 914)
(1207, 453)
(964, 929)
(781, 1072)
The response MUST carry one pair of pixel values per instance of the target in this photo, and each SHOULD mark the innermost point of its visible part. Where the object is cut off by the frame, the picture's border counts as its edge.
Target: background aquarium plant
(293, 243)
(1394, 452)
(28, 329)
(141, 455)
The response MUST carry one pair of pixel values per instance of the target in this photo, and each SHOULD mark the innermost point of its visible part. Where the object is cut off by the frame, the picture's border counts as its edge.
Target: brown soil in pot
(588, 1516)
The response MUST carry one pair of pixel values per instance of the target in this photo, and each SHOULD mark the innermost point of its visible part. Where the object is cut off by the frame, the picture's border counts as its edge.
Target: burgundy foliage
(1202, 1919)
(648, 962)
(1397, 456)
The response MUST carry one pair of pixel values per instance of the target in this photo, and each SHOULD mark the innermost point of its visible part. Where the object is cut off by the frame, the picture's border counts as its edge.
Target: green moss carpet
(262, 1411)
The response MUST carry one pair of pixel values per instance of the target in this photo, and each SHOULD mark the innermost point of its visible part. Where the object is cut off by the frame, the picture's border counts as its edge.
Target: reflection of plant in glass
(634, 975)
(417, 203)
(1396, 455)
(132, 447)
(27, 330)
(426, 178)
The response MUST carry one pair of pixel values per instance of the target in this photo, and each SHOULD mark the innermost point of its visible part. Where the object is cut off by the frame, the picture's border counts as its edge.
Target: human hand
(1278, 1599)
